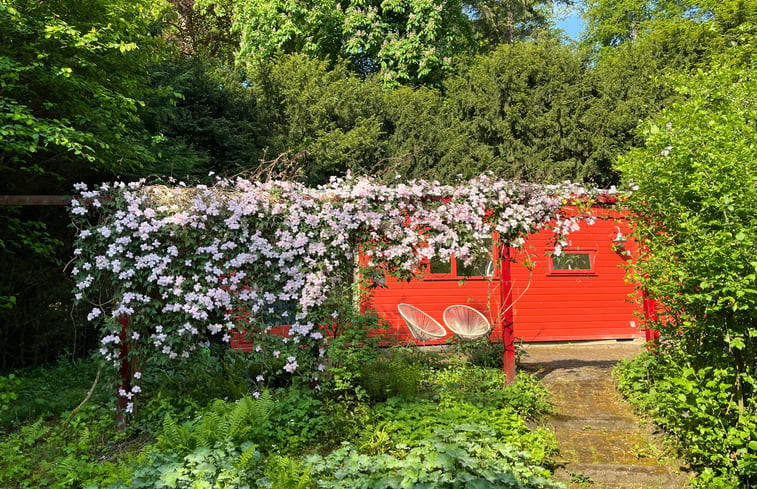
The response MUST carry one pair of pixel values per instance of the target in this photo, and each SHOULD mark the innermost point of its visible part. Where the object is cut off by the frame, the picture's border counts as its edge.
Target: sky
(572, 23)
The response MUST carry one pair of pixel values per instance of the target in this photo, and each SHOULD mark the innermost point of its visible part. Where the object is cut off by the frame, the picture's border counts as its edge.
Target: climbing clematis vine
(191, 264)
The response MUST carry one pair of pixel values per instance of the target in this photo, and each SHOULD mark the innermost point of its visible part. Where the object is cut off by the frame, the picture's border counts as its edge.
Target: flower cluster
(192, 264)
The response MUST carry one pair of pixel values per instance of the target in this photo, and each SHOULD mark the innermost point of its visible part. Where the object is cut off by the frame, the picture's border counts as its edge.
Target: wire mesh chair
(422, 326)
(466, 322)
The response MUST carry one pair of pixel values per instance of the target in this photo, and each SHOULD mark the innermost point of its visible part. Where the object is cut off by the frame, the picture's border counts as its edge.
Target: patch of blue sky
(569, 20)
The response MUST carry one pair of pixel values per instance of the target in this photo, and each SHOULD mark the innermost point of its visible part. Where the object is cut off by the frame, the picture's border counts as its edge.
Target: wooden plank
(11, 200)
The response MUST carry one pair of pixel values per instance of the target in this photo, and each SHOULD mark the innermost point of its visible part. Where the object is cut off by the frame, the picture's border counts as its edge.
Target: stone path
(602, 443)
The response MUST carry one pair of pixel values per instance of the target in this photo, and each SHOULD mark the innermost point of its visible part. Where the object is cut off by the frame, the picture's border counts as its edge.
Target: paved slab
(602, 443)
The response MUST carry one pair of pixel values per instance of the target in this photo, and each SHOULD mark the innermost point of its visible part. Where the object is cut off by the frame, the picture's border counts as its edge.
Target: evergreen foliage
(696, 205)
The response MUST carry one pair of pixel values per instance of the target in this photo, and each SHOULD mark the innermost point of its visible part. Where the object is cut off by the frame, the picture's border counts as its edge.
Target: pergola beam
(12, 200)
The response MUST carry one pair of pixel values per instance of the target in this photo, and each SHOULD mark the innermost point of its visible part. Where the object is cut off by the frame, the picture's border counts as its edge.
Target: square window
(573, 262)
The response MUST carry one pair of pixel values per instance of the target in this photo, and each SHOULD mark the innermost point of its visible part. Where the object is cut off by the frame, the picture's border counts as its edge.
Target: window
(573, 262)
(438, 267)
(481, 266)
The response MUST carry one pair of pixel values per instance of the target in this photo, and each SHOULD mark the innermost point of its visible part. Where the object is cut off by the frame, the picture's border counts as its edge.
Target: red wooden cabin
(580, 295)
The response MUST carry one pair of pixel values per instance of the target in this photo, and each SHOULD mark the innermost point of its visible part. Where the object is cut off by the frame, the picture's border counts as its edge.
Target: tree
(498, 22)
(332, 121)
(205, 31)
(71, 82)
(634, 45)
(696, 208)
(611, 23)
(536, 107)
(210, 123)
(407, 42)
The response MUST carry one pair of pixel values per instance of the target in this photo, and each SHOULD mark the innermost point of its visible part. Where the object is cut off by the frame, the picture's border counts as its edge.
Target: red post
(125, 376)
(506, 303)
(650, 315)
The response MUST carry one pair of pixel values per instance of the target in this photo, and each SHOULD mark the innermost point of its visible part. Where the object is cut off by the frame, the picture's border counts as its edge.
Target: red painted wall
(578, 305)
(549, 305)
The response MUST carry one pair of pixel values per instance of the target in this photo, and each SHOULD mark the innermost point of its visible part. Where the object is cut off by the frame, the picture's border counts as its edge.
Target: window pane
(438, 266)
(482, 265)
(572, 261)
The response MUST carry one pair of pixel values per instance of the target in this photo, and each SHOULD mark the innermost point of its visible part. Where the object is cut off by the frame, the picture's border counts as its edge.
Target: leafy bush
(191, 384)
(483, 352)
(287, 421)
(224, 465)
(222, 422)
(699, 408)
(463, 456)
(300, 420)
(401, 423)
(487, 387)
(46, 455)
(695, 209)
(353, 345)
(390, 376)
(8, 391)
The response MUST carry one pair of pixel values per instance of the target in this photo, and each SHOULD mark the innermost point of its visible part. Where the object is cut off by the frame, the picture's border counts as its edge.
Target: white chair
(422, 326)
(466, 322)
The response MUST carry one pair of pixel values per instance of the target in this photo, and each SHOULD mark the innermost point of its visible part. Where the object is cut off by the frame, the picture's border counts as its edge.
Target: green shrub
(390, 376)
(41, 454)
(407, 423)
(694, 208)
(488, 387)
(8, 391)
(354, 344)
(700, 409)
(216, 374)
(224, 465)
(286, 473)
(286, 421)
(464, 456)
(483, 352)
(47, 391)
(222, 422)
(299, 420)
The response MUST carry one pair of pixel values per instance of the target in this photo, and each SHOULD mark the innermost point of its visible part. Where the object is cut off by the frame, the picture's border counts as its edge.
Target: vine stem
(89, 395)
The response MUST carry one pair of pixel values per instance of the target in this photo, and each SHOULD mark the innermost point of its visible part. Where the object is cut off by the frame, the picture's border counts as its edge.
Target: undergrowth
(698, 408)
(399, 418)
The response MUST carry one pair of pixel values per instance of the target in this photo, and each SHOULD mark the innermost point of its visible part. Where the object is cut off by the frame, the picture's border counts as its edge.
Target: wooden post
(506, 305)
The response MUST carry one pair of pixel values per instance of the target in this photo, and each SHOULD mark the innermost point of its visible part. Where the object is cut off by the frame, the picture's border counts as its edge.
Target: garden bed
(389, 418)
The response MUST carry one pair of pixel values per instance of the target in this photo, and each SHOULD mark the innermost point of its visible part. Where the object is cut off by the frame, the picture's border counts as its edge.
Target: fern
(238, 420)
(260, 409)
(67, 465)
(287, 473)
(221, 422)
(33, 432)
(174, 436)
(209, 430)
(249, 457)
(259, 415)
